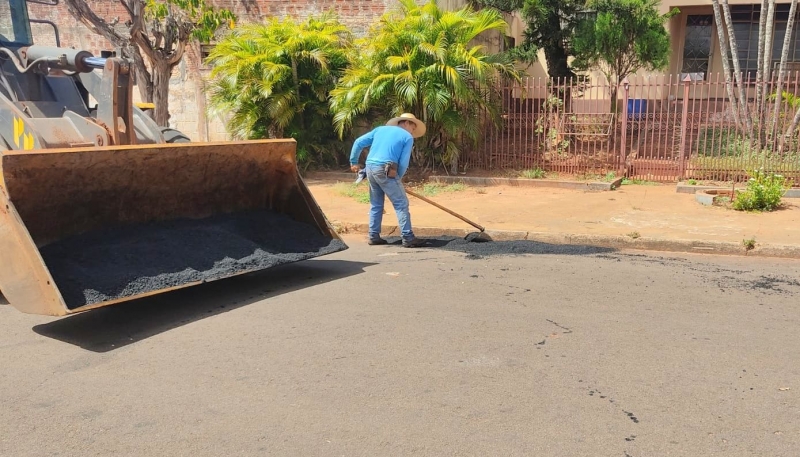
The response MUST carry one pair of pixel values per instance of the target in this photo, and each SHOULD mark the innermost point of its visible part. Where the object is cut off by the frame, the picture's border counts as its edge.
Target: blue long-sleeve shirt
(386, 143)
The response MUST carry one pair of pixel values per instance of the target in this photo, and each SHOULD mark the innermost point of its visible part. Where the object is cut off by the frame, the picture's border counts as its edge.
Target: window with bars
(697, 45)
(745, 20)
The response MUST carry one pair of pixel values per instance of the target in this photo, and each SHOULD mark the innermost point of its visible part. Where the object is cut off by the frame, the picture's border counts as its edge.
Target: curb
(684, 188)
(525, 182)
(604, 241)
(708, 197)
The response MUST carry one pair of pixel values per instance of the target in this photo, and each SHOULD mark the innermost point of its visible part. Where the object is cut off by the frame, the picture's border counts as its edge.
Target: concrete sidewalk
(652, 217)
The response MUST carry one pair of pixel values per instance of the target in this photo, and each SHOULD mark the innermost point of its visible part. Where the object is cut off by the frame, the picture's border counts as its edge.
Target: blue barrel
(637, 108)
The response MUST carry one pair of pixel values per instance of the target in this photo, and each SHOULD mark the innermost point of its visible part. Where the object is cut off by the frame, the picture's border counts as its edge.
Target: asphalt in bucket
(125, 261)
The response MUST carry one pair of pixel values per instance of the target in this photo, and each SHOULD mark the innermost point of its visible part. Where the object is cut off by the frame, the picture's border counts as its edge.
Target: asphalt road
(384, 351)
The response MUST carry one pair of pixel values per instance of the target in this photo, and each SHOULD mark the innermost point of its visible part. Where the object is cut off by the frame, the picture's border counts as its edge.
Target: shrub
(272, 80)
(536, 173)
(722, 142)
(422, 59)
(764, 192)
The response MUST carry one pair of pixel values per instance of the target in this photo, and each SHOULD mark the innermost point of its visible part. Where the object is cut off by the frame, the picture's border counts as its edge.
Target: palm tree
(420, 59)
(272, 80)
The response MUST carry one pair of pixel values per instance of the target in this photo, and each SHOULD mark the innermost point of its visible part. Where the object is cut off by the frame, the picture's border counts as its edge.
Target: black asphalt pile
(476, 248)
(131, 260)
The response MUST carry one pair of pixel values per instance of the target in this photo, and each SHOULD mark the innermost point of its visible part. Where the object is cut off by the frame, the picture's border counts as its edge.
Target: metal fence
(666, 128)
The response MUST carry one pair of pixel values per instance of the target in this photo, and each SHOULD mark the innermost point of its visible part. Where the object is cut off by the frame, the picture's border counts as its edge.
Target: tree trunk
(80, 10)
(768, 38)
(726, 64)
(782, 72)
(762, 24)
(454, 154)
(793, 127)
(554, 52)
(767, 71)
(614, 102)
(557, 62)
(745, 112)
(143, 79)
(162, 72)
(200, 94)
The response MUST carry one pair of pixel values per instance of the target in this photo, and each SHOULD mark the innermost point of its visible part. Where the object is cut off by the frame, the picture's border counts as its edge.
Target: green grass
(587, 176)
(787, 165)
(432, 189)
(721, 142)
(359, 193)
(596, 177)
(638, 182)
(535, 173)
(722, 200)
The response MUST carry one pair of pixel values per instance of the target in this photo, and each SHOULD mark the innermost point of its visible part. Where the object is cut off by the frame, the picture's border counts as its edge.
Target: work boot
(377, 242)
(414, 243)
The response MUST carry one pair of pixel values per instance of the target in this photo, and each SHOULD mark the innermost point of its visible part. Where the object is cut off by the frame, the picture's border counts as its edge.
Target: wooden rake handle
(479, 227)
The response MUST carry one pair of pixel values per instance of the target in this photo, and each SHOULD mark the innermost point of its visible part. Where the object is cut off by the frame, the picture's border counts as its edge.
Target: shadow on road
(116, 326)
(3, 300)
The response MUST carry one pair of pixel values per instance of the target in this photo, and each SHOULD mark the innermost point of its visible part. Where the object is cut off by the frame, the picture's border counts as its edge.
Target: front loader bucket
(85, 228)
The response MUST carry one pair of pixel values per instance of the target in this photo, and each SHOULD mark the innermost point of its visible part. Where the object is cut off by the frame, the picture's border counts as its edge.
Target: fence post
(624, 133)
(684, 119)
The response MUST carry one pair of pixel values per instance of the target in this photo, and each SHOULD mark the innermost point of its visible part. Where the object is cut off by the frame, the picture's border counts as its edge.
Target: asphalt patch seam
(478, 249)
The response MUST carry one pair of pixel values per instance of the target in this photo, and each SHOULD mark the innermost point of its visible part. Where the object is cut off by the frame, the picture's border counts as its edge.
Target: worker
(387, 162)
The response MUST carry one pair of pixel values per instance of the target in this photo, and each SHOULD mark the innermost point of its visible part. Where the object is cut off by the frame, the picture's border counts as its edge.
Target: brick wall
(187, 107)
(357, 14)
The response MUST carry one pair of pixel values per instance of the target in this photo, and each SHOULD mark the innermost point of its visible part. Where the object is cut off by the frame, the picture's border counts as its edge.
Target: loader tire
(174, 136)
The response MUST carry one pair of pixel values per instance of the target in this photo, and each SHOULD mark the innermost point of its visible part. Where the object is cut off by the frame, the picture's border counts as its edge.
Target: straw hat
(420, 131)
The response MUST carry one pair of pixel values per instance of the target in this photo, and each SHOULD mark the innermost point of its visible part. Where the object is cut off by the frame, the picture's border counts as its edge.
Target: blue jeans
(381, 186)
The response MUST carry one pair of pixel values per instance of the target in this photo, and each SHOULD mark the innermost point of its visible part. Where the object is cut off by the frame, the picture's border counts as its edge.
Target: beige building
(695, 42)
(696, 47)
(695, 53)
